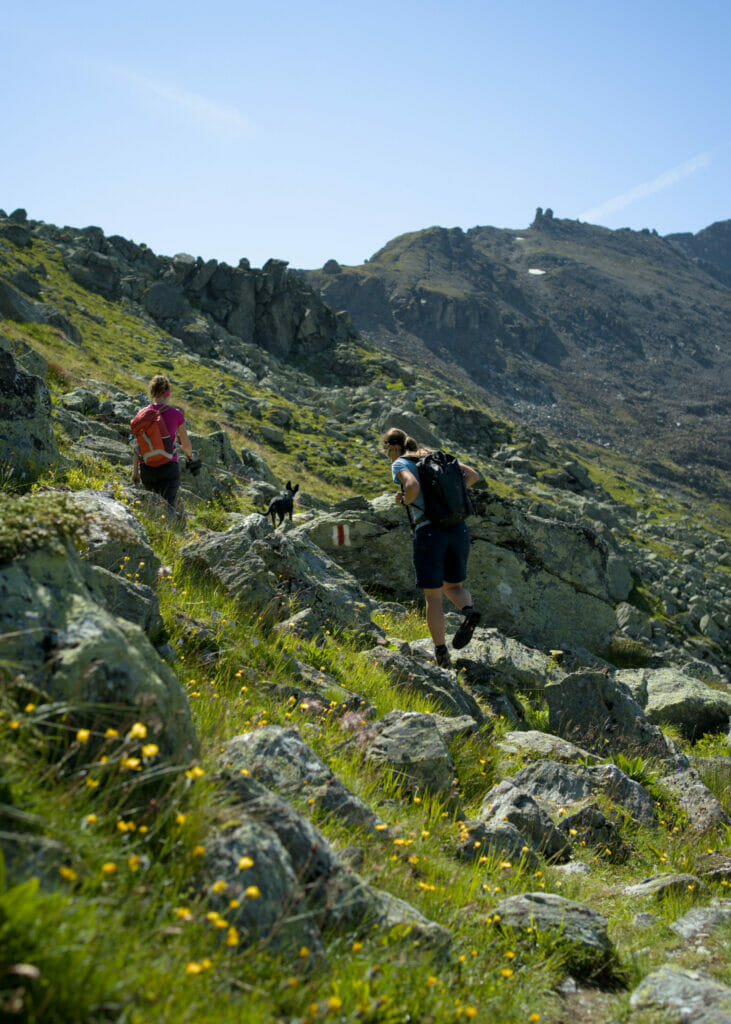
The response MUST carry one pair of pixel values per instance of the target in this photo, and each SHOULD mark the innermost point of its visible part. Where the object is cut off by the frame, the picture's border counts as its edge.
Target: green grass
(90, 936)
(117, 930)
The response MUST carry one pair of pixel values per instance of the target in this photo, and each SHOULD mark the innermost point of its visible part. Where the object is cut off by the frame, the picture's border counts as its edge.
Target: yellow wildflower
(137, 732)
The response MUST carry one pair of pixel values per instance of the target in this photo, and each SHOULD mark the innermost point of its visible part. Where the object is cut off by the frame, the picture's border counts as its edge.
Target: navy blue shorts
(440, 555)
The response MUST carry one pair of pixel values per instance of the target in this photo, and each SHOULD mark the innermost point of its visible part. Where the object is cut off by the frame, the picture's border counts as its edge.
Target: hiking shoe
(442, 656)
(464, 634)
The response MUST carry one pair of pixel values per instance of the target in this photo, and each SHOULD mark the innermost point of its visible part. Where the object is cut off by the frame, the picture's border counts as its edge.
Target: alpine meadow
(234, 784)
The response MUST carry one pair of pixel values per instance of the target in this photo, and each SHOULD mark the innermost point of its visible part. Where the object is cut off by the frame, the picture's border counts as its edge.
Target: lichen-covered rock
(311, 891)
(26, 358)
(597, 712)
(683, 997)
(703, 810)
(589, 827)
(411, 745)
(79, 653)
(507, 802)
(135, 602)
(270, 572)
(500, 840)
(27, 445)
(701, 922)
(559, 787)
(511, 663)
(115, 538)
(666, 884)
(272, 911)
(282, 761)
(418, 677)
(580, 931)
(533, 743)
(669, 695)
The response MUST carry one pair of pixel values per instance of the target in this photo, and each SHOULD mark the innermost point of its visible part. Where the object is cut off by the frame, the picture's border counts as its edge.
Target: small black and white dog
(282, 505)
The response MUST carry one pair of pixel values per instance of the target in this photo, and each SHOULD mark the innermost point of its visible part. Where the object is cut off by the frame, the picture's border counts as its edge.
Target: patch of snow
(534, 270)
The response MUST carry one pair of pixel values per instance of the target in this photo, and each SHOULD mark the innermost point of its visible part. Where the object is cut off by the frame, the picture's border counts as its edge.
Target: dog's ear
(296, 488)
(288, 485)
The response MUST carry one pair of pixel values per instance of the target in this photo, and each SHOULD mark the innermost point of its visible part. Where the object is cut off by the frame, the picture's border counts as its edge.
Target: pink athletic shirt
(174, 418)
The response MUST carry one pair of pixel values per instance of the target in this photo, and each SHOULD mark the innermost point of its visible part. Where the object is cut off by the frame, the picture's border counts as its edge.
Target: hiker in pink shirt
(164, 479)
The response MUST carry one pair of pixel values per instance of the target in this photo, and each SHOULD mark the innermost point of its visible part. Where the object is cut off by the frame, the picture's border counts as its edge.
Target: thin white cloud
(218, 117)
(647, 188)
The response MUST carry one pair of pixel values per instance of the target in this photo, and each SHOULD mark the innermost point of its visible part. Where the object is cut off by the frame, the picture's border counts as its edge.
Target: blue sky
(307, 131)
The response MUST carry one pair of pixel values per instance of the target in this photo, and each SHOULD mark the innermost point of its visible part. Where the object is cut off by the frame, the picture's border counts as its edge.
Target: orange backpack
(153, 438)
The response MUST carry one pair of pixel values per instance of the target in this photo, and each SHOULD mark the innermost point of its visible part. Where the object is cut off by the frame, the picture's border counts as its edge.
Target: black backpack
(443, 489)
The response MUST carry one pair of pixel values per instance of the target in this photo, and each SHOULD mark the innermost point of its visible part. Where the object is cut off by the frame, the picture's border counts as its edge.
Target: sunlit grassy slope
(123, 931)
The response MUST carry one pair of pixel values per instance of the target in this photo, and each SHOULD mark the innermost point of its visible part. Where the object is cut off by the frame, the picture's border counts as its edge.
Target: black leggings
(164, 480)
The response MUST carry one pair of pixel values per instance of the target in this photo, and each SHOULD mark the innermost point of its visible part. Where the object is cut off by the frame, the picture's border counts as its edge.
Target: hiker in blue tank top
(440, 553)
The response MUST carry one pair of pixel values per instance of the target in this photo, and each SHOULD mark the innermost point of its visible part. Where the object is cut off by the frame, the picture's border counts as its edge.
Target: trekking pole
(408, 511)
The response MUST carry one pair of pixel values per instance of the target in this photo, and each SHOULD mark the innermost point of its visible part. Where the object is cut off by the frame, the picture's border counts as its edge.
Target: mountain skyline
(319, 134)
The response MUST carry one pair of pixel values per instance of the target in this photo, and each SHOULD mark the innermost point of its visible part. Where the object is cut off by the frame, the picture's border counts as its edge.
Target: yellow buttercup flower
(83, 735)
(252, 892)
(150, 750)
(245, 862)
(109, 868)
(137, 732)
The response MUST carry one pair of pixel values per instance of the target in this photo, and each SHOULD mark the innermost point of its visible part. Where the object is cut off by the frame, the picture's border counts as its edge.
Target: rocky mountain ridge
(620, 337)
(534, 835)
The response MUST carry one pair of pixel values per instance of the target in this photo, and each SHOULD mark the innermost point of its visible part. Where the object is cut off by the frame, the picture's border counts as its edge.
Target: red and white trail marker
(341, 535)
